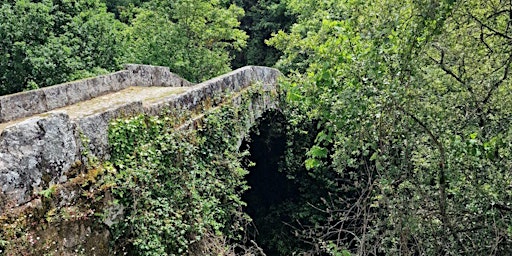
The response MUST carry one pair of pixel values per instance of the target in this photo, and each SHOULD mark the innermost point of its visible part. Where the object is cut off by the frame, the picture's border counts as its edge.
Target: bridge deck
(146, 95)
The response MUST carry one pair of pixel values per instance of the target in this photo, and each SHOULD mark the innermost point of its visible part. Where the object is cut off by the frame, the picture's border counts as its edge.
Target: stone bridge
(46, 133)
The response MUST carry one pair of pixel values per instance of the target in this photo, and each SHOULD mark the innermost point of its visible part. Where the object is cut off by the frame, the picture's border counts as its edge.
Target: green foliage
(47, 193)
(262, 18)
(178, 186)
(399, 116)
(191, 37)
(408, 107)
(48, 42)
(119, 6)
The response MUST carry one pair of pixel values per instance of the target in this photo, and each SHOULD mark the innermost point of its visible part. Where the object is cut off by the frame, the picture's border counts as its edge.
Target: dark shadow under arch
(271, 191)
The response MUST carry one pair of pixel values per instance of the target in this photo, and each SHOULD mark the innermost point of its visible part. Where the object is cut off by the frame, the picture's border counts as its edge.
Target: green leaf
(317, 152)
(312, 163)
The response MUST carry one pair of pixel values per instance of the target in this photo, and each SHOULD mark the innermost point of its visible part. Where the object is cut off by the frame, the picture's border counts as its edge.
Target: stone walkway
(146, 95)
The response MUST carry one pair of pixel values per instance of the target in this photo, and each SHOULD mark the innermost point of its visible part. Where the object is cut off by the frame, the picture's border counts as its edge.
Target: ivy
(179, 186)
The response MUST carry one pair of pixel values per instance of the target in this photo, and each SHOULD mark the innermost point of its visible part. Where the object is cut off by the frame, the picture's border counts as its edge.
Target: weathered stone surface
(21, 104)
(120, 80)
(146, 75)
(140, 74)
(33, 102)
(71, 238)
(98, 86)
(34, 153)
(163, 77)
(78, 91)
(218, 87)
(56, 96)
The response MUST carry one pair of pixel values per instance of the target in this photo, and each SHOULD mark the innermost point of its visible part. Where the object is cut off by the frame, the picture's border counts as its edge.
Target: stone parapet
(25, 104)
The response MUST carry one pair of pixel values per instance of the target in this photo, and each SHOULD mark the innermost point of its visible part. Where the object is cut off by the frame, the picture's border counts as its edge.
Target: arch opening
(270, 190)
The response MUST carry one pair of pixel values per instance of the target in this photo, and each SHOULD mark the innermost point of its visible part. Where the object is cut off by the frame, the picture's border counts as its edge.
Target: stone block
(56, 96)
(120, 80)
(140, 74)
(98, 86)
(22, 104)
(32, 149)
(162, 76)
(78, 91)
(146, 75)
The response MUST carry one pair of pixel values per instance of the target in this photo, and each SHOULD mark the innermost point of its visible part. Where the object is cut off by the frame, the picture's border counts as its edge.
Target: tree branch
(489, 28)
(482, 39)
(442, 162)
(499, 82)
(448, 70)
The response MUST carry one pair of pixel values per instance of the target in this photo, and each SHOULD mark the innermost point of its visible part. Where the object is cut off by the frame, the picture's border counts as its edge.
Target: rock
(35, 153)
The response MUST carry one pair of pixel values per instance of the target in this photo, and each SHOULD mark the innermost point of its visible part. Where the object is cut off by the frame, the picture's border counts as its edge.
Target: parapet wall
(41, 150)
(33, 102)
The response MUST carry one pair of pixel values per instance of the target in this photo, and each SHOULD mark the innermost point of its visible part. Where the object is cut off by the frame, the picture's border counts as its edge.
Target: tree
(409, 104)
(193, 38)
(49, 42)
(262, 18)
(119, 6)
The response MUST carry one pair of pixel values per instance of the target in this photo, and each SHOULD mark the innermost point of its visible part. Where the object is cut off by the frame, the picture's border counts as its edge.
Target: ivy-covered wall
(181, 191)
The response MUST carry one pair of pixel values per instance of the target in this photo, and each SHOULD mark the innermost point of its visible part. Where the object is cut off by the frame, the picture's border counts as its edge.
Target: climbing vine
(180, 186)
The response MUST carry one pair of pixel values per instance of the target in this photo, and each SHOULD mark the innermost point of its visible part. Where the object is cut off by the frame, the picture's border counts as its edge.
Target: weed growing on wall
(178, 186)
